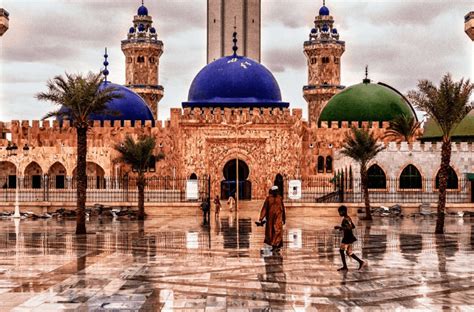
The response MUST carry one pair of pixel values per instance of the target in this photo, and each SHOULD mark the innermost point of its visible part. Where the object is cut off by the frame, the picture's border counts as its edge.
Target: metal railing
(342, 189)
(99, 189)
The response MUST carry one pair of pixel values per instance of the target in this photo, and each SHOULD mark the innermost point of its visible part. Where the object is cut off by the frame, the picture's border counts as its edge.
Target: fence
(343, 189)
(99, 189)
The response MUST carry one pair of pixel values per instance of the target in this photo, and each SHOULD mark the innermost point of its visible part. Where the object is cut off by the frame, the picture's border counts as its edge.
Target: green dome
(463, 132)
(366, 102)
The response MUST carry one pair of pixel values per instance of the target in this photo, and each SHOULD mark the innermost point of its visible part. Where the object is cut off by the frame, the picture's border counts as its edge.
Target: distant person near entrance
(274, 217)
(206, 210)
(217, 203)
(231, 203)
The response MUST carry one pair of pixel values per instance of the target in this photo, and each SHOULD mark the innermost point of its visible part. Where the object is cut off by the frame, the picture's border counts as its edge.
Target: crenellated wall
(202, 141)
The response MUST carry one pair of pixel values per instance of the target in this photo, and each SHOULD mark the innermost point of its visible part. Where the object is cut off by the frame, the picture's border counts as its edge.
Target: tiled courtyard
(175, 264)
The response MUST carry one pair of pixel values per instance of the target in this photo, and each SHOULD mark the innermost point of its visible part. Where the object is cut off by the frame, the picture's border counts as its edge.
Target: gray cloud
(402, 41)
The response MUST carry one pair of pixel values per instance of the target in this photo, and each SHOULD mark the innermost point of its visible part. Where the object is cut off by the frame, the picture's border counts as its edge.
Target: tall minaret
(3, 21)
(142, 51)
(323, 51)
(469, 24)
(222, 16)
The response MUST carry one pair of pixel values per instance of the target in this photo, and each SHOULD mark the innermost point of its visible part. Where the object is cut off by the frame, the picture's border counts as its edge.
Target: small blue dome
(234, 81)
(324, 11)
(314, 30)
(153, 30)
(129, 107)
(334, 31)
(131, 30)
(325, 27)
(141, 27)
(142, 11)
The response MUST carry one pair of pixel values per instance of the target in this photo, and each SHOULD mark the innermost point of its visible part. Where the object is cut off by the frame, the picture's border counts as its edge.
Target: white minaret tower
(222, 16)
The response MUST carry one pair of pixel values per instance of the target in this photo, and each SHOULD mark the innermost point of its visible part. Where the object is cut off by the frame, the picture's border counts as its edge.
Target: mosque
(235, 122)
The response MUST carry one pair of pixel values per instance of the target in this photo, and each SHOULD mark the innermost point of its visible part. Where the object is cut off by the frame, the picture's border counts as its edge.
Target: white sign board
(295, 238)
(294, 189)
(192, 192)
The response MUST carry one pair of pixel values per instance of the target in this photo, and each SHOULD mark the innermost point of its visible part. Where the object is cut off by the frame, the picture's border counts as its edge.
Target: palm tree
(362, 146)
(447, 105)
(138, 155)
(403, 127)
(79, 96)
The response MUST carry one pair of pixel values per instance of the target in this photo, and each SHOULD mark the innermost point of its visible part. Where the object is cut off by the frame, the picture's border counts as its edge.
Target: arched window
(193, 176)
(328, 164)
(320, 164)
(410, 178)
(314, 60)
(325, 59)
(141, 59)
(452, 179)
(377, 178)
(152, 60)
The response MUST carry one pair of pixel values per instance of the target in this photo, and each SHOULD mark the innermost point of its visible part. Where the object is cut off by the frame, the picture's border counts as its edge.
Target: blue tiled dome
(324, 10)
(129, 107)
(142, 11)
(234, 81)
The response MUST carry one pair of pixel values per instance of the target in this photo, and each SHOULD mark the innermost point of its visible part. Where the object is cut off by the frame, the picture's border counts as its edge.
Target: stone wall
(202, 141)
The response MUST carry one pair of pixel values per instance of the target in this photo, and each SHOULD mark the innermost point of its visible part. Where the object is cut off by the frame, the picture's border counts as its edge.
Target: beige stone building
(235, 112)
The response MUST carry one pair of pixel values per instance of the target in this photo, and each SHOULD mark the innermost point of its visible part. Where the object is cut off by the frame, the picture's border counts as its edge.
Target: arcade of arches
(56, 176)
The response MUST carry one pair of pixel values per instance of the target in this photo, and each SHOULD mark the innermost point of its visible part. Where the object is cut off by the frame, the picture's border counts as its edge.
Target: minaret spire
(366, 80)
(234, 40)
(105, 72)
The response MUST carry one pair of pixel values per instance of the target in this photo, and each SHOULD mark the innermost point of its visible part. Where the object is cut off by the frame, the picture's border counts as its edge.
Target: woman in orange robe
(273, 211)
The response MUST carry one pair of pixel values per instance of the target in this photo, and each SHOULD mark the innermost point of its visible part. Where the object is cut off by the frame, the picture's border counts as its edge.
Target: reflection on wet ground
(171, 263)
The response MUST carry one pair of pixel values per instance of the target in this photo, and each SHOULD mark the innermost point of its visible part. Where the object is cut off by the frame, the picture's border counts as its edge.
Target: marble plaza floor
(175, 264)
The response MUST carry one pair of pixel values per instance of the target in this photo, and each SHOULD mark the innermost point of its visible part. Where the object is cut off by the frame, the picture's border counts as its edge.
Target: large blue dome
(129, 107)
(234, 81)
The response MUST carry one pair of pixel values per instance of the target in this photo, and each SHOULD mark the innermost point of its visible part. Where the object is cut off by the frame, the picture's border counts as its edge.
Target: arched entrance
(279, 182)
(229, 186)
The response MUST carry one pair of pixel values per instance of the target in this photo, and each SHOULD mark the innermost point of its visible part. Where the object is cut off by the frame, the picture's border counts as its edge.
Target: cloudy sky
(401, 41)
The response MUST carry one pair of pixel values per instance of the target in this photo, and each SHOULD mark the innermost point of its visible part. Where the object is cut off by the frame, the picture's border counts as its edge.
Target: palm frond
(79, 95)
(447, 104)
(137, 153)
(361, 145)
(403, 127)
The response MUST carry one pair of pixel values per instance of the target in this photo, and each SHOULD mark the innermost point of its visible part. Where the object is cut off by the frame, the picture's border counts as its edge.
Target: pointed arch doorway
(229, 184)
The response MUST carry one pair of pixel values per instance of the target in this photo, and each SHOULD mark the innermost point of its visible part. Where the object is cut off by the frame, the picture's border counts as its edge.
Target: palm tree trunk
(364, 181)
(81, 180)
(141, 197)
(443, 183)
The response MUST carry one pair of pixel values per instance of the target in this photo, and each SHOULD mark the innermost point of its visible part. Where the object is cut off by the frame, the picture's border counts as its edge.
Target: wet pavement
(174, 263)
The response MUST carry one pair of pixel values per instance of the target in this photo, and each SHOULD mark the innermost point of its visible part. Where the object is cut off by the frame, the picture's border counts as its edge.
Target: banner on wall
(294, 189)
(192, 192)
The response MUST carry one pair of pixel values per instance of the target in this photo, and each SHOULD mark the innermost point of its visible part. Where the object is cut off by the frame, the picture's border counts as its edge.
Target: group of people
(206, 207)
(273, 217)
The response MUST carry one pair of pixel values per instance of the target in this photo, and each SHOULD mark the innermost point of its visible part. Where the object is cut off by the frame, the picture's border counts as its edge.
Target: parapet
(236, 115)
(427, 147)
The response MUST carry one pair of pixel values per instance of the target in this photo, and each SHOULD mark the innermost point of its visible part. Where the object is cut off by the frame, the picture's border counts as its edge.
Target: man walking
(273, 212)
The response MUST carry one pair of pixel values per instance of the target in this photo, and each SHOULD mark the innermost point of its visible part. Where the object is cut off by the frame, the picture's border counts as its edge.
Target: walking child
(348, 239)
